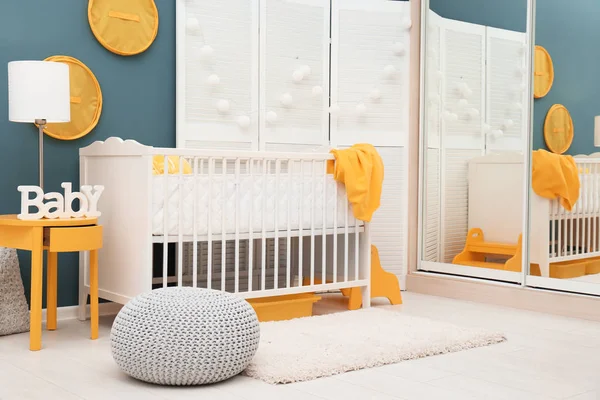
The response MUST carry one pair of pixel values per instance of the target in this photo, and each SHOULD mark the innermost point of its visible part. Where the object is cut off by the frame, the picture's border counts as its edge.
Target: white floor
(545, 357)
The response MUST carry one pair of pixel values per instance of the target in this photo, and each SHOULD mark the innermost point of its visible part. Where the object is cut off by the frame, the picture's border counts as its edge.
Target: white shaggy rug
(308, 348)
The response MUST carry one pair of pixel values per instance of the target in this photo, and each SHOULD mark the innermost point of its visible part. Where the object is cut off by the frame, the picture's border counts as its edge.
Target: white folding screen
(217, 74)
(506, 76)
(475, 98)
(370, 58)
(290, 61)
(370, 72)
(294, 74)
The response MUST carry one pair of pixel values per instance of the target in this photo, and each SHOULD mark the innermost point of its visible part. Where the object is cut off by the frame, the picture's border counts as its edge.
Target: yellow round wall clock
(124, 27)
(558, 129)
(86, 101)
(543, 74)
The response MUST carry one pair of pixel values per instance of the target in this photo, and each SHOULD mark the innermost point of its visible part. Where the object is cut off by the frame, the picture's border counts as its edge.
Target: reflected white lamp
(597, 131)
(39, 92)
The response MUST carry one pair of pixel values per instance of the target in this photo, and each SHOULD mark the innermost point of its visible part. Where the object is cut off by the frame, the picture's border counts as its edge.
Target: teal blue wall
(503, 14)
(138, 92)
(571, 34)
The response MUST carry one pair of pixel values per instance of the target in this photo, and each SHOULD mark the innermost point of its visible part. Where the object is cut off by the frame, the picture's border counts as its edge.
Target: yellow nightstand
(55, 236)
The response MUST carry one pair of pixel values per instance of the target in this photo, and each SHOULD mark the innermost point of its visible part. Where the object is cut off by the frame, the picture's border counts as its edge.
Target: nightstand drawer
(80, 238)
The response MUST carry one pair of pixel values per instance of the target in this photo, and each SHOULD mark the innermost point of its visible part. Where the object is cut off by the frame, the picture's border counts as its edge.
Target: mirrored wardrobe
(474, 138)
(565, 181)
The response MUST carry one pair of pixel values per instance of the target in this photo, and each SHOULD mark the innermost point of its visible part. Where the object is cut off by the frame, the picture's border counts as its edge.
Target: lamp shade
(38, 90)
(597, 131)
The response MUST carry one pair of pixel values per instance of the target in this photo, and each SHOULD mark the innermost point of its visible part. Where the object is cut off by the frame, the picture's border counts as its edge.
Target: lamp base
(41, 123)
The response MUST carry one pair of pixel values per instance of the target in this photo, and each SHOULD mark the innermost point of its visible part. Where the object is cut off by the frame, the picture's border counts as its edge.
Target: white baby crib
(495, 206)
(252, 223)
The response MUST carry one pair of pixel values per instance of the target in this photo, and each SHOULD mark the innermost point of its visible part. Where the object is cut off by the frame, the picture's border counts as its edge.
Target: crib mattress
(300, 204)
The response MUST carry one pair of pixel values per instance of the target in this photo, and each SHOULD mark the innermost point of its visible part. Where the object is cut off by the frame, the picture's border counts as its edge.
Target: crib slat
(288, 267)
(180, 225)
(223, 213)
(346, 242)
(300, 230)
(237, 226)
(211, 168)
(276, 227)
(356, 249)
(335, 233)
(195, 225)
(324, 226)
(576, 211)
(590, 210)
(251, 225)
(559, 238)
(595, 206)
(166, 221)
(263, 266)
(313, 189)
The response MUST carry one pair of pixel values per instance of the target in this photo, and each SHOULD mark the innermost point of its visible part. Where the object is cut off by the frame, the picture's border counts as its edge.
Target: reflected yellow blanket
(555, 175)
(360, 169)
(158, 165)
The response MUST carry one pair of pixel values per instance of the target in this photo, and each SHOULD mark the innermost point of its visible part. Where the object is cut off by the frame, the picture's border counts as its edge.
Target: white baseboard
(70, 312)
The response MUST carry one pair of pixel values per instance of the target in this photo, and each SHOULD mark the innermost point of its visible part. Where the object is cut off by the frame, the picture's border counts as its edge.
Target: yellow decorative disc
(543, 77)
(86, 101)
(558, 129)
(125, 27)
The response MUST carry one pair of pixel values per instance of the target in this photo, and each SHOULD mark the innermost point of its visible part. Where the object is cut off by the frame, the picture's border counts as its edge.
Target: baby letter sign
(60, 206)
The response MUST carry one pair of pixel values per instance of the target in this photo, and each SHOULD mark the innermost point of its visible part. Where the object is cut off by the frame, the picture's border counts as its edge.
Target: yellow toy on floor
(477, 251)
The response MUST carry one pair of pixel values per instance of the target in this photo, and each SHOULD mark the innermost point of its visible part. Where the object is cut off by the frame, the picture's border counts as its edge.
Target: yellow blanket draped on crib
(555, 176)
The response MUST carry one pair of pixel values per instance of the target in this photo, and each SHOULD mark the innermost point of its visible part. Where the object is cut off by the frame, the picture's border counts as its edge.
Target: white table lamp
(39, 92)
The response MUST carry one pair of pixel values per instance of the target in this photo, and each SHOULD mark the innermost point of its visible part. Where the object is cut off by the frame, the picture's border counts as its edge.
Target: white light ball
(286, 99)
(473, 112)
(334, 109)
(375, 94)
(213, 80)
(206, 51)
(317, 91)
(389, 71)
(399, 49)
(305, 70)
(298, 75)
(509, 123)
(271, 117)
(243, 121)
(361, 109)
(193, 26)
(462, 103)
(223, 106)
(407, 24)
(486, 128)
(498, 133)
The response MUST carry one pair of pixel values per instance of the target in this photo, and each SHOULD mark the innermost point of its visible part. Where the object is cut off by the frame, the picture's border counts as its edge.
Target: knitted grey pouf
(185, 336)
(14, 311)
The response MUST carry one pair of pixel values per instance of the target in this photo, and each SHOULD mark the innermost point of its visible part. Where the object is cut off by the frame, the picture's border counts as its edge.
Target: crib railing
(574, 234)
(256, 224)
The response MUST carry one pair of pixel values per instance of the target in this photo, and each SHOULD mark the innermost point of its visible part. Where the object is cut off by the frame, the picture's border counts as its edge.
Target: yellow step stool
(477, 250)
(280, 308)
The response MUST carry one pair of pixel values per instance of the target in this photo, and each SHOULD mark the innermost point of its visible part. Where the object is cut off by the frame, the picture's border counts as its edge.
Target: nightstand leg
(51, 289)
(94, 292)
(37, 259)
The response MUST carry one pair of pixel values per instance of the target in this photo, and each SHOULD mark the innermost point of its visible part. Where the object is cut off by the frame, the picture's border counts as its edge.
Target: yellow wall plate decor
(558, 129)
(86, 101)
(125, 27)
(543, 76)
